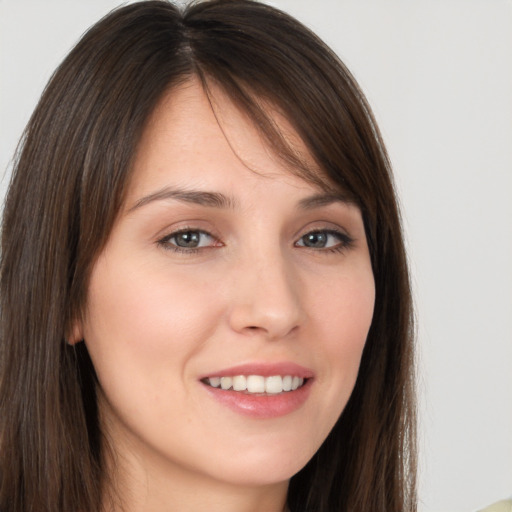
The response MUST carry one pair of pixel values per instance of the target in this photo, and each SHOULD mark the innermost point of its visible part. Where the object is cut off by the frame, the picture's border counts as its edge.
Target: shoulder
(500, 506)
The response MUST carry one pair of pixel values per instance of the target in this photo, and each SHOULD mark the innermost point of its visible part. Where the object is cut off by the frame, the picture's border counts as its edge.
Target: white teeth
(256, 384)
(226, 382)
(214, 381)
(240, 383)
(272, 385)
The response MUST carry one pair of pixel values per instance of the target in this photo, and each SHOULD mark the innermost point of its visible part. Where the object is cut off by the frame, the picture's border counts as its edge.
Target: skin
(158, 319)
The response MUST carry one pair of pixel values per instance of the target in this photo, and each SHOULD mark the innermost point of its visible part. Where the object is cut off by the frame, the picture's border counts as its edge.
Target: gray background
(438, 74)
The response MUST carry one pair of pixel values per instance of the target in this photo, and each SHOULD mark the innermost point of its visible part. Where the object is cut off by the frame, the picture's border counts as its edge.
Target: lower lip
(262, 405)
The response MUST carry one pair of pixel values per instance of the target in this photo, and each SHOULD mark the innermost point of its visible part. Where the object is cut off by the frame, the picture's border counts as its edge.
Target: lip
(262, 406)
(263, 369)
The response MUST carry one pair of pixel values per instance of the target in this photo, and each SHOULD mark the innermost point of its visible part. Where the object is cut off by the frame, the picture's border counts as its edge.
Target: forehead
(202, 137)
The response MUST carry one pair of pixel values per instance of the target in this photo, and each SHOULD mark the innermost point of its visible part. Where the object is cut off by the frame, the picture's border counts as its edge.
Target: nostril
(273, 321)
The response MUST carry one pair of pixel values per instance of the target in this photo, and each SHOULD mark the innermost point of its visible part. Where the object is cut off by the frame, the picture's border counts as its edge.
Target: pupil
(315, 240)
(188, 239)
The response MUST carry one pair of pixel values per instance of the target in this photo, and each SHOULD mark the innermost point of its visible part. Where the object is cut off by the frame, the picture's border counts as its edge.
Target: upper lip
(263, 369)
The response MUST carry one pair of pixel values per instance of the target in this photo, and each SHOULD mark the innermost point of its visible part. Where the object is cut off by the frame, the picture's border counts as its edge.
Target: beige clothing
(501, 506)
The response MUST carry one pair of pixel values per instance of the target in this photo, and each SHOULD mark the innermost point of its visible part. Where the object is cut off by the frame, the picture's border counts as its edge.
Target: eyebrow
(203, 198)
(323, 199)
(219, 200)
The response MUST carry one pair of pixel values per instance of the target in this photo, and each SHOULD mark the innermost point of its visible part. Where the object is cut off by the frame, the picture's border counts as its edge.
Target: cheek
(344, 319)
(142, 323)
(346, 311)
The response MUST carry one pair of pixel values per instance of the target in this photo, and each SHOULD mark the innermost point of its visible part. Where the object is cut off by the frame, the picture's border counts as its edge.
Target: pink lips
(262, 405)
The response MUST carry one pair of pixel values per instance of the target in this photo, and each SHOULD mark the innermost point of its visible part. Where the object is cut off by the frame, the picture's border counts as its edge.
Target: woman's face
(225, 269)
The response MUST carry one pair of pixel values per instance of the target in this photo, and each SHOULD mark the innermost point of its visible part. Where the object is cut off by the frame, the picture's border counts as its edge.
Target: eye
(187, 240)
(325, 239)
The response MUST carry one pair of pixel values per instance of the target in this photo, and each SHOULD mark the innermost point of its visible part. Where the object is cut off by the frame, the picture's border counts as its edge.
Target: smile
(257, 384)
(261, 389)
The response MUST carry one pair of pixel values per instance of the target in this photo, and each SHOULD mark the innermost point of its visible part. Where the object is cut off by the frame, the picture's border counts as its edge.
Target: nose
(267, 298)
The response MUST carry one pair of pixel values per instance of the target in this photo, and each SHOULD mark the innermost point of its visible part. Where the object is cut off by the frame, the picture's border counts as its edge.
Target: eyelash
(345, 241)
(165, 241)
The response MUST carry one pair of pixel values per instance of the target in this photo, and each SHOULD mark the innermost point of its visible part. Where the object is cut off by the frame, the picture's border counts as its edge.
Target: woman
(205, 299)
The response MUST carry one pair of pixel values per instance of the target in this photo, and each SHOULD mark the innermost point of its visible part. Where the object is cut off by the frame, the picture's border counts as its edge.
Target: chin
(261, 467)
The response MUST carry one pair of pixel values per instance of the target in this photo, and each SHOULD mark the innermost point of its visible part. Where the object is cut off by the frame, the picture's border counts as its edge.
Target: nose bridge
(268, 298)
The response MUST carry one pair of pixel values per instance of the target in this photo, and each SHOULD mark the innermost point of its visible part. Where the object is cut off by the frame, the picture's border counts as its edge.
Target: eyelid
(164, 241)
(345, 240)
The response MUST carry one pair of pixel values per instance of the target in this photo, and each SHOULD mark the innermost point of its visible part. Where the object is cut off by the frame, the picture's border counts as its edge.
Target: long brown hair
(68, 185)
